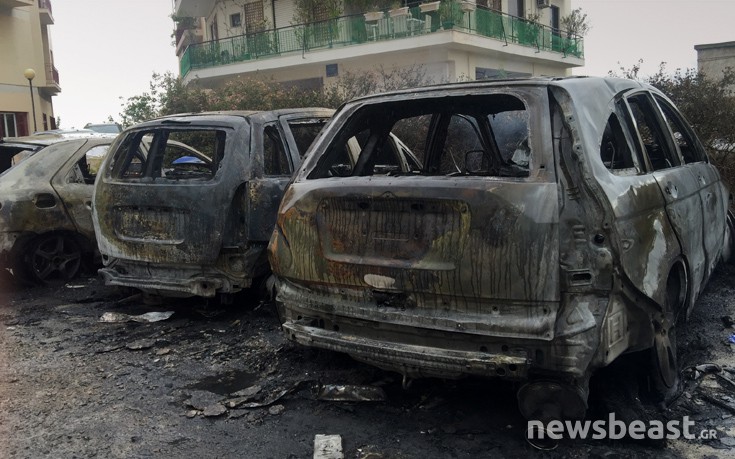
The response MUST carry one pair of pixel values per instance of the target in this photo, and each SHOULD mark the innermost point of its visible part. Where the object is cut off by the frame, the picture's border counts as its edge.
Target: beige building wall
(713, 58)
(24, 43)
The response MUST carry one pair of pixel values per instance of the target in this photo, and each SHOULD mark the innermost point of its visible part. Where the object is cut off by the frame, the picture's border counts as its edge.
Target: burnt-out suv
(540, 229)
(185, 204)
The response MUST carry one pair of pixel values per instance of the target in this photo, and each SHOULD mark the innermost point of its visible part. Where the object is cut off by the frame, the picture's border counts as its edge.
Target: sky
(107, 50)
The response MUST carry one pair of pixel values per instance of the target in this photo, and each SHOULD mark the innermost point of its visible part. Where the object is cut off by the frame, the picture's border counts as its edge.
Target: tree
(576, 23)
(168, 95)
(308, 11)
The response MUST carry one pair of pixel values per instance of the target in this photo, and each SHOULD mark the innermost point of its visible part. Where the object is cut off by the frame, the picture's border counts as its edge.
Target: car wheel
(52, 259)
(664, 369)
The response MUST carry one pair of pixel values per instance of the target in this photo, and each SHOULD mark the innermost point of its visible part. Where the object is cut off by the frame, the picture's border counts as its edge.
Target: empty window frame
(85, 170)
(275, 155)
(615, 151)
(304, 131)
(457, 137)
(653, 141)
(690, 148)
(169, 154)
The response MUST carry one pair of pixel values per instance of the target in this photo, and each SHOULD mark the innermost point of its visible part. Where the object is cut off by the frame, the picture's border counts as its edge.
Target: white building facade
(452, 40)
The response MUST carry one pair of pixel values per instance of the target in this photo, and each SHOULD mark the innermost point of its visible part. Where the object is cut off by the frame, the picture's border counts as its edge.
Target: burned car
(533, 230)
(46, 231)
(187, 203)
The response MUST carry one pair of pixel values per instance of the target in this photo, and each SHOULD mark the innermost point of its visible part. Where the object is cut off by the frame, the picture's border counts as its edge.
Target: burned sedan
(548, 227)
(187, 203)
(46, 231)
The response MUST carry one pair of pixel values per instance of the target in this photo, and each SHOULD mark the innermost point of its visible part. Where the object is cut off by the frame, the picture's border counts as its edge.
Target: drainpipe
(273, 8)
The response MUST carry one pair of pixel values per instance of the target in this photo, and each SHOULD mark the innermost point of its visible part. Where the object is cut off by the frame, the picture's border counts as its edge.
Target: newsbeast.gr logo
(540, 433)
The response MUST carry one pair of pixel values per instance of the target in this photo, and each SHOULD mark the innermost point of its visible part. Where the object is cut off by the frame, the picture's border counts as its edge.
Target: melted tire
(664, 383)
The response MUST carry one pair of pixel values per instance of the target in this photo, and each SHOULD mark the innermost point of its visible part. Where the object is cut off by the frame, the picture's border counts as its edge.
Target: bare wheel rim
(55, 258)
(665, 352)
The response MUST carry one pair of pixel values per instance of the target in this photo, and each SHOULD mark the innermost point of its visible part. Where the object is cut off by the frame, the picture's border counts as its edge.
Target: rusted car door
(160, 205)
(277, 147)
(711, 192)
(74, 183)
(679, 187)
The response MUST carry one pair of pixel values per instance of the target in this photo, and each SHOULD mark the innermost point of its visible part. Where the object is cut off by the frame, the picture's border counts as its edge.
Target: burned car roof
(222, 116)
(12, 146)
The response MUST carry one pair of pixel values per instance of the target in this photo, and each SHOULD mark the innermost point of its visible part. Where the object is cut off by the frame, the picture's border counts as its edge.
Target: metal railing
(355, 30)
(52, 75)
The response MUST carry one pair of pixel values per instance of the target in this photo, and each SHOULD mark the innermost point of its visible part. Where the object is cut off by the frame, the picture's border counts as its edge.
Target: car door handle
(672, 190)
(88, 204)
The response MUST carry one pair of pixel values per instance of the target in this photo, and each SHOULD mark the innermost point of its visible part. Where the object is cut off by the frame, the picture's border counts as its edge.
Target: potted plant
(468, 6)
(450, 13)
(398, 10)
(373, 14)
(428, 7)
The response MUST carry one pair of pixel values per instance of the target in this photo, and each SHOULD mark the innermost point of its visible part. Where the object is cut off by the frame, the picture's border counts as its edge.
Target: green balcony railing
(353, 30)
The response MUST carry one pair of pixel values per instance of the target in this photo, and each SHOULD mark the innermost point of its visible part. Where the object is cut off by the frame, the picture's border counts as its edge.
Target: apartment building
(218, 40)
(25, 43)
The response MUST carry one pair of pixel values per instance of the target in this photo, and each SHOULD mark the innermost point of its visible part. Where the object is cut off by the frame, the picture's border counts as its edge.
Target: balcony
(45, 12)
(193, 8)
(52, 80)
(354, 30)
(188, 33)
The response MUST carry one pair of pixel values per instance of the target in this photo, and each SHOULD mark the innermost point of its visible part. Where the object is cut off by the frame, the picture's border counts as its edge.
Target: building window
(497, 74)
(254, 17)
(555, 20)
(332, 70)
(45, 122)
(213, 31)
(236, 20)
(491, 4)
(517, 8)
(8, 126)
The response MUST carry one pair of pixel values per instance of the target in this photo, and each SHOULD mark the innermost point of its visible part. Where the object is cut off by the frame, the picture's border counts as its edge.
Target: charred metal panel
(484, 247)
(36, 197)
(197, 234)
(161, 225)
(436, 272)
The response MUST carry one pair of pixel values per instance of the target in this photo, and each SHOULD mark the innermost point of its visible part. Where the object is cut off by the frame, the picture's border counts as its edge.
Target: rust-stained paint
(548, 275)
(195, 236)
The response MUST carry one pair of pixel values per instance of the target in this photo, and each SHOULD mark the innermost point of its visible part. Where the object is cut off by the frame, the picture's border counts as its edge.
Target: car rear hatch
(454, 228)
(165, 191)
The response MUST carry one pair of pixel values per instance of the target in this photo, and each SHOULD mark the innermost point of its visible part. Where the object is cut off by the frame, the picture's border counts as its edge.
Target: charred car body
(187, 203)
(46, 230)
(550, 226)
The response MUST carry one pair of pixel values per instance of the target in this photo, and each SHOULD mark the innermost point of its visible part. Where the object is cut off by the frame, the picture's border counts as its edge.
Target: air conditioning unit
(542, 3)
